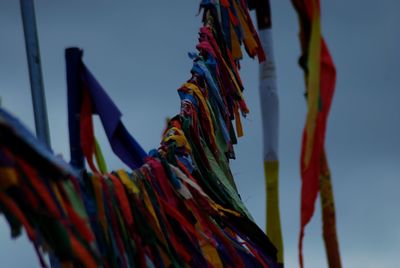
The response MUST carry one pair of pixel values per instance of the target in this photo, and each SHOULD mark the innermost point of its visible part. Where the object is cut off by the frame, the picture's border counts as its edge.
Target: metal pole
(35, 70)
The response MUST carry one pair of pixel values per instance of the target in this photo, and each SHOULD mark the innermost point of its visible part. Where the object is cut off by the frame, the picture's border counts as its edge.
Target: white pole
(270, 123)
(35, 70)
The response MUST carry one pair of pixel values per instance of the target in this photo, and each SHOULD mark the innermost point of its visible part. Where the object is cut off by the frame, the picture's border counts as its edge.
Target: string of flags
(178, 205)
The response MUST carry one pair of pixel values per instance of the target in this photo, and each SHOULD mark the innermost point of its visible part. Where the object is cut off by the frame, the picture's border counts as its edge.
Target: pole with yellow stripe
(270, 122)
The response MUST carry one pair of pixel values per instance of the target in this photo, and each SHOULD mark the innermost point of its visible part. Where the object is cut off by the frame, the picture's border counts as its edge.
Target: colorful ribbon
(320, 76)
(179, 207)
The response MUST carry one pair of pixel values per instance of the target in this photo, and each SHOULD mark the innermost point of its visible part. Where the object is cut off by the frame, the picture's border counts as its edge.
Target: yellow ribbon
(274, 232)
(8, 178)
(313, 83)
(129, 184)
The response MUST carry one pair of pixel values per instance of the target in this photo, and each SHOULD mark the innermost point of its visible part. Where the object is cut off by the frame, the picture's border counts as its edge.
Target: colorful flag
(320, 76)
(178, 206)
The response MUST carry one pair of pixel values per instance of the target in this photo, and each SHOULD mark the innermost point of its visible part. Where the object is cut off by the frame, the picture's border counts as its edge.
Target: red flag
(320, 75)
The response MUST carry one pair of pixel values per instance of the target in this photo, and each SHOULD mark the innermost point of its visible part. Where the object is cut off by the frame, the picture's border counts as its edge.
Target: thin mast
(35, 70)
(270, 122)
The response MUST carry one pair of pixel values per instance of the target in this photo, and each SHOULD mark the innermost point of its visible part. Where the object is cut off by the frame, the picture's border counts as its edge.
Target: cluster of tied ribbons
(179, 206)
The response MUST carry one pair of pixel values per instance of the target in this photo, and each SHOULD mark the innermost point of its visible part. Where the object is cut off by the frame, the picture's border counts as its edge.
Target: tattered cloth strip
(320, 76)
(179, 207)
(40, 192)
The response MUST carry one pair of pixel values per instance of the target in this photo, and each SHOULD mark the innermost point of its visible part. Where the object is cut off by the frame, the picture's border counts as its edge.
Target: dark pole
(35, 70)
(73, 59)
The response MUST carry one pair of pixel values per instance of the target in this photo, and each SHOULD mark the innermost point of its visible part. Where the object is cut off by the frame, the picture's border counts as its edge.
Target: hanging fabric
(40, 192)
(320, 76)
(178, 206)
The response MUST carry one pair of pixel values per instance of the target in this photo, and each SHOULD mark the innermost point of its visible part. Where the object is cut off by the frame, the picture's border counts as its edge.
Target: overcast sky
(138, 52)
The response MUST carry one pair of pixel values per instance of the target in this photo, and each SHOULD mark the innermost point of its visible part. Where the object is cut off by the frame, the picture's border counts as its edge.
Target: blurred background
(138, 52)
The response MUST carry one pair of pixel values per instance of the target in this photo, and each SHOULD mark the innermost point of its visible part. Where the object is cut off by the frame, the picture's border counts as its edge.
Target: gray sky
(138, 52)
